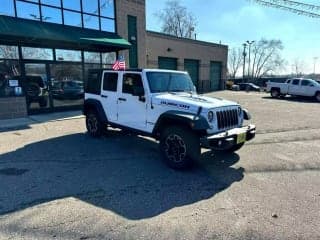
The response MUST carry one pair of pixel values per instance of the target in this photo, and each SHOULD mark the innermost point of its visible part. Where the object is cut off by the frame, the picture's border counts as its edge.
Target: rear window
(93, 84)
(295, 82)
(110, 81)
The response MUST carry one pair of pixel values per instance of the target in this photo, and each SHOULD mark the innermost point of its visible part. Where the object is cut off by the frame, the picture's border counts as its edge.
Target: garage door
(215, 76)
(168, 63)
(192, 67)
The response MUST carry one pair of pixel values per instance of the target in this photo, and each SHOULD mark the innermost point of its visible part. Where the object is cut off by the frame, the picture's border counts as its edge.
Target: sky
(235, 21)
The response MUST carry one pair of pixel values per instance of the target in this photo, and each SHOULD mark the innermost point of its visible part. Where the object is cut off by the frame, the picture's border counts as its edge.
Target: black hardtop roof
(110, 69)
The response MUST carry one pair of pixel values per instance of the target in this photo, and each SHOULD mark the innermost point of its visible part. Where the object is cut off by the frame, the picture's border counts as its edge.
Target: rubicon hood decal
(174, 104)
(188, 101)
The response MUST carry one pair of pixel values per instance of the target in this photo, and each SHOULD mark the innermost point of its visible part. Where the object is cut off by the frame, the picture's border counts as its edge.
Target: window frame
(101, 17)
(295, 80)
(123, 80)
(104, 81)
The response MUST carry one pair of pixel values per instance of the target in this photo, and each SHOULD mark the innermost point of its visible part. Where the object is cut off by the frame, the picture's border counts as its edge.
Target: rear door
(109, 95)
(294, 87)
(132, 108)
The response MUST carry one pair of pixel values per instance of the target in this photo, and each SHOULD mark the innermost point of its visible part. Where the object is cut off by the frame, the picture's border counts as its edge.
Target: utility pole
(249, 44)
(314, 65)
(244, 60)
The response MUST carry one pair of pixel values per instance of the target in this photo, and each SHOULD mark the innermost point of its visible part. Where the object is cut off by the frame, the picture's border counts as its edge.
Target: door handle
(122, 99)
(104, 96)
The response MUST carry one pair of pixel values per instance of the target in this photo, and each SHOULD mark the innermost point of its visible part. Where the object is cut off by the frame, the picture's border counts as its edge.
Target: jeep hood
(190, 101)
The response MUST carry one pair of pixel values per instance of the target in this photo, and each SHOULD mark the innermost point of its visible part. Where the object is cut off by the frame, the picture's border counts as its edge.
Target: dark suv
(36, 90)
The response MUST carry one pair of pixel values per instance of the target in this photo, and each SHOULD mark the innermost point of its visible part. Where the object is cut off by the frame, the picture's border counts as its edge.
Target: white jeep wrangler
(163, 104)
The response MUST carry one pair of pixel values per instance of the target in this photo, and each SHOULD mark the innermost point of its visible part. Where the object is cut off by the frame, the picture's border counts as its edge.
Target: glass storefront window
(7, 8)
(107, 25)
(9, 52)
(50, 14)
(68, 55)
(28, 10)
(67, 84)
(90, 6)
(107, 8)
(72, 18)
(37, 53)
(56, 3)
(72, 4)
(91, 57)
(10, 82)
(90, 21)
(109, 58)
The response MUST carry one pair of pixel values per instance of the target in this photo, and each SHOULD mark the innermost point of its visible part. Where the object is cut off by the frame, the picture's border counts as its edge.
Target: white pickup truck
(295, 87)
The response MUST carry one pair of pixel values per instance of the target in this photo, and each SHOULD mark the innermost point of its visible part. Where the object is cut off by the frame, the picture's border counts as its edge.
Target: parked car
(248, 87)
(163, 104)
(295, 87)
(70, 89)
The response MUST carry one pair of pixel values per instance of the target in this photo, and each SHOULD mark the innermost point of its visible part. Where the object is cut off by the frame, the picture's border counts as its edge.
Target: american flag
(120, 64)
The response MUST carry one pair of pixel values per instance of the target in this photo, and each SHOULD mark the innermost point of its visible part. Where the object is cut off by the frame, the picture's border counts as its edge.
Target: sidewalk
(24, 123)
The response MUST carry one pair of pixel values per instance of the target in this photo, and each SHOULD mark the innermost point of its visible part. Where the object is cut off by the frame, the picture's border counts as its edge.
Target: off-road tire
(179, 147)
(275, 93)
(94, 125)
(318, 96)
(43, 102)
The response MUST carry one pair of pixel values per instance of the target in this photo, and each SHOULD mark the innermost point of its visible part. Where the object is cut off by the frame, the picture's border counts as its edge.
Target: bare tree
(177, 20)
(267, 58)
(234, 61)
(298, 66)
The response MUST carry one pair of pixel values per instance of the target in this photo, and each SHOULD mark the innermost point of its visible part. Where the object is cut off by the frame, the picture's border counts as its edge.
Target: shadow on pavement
(120, 173)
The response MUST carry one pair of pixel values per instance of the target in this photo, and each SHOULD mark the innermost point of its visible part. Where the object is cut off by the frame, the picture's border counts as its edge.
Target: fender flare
(90, 104)
(195, 122)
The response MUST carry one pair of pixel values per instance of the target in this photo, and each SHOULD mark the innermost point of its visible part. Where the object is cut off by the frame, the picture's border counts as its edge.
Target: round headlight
(210, 116)
(239, 111)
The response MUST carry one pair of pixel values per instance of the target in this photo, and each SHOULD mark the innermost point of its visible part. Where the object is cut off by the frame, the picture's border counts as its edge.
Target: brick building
(47, 46)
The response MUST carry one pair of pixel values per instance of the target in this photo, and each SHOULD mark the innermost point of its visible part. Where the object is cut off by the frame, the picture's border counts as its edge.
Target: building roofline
(168, 36)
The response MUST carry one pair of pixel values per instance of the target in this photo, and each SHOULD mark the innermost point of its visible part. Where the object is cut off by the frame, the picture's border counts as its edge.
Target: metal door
(168, 63)
(192, 67)
(132, 35)
(215, 76)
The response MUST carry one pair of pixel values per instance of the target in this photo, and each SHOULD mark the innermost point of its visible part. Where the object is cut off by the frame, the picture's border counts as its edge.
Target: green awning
(40, 34)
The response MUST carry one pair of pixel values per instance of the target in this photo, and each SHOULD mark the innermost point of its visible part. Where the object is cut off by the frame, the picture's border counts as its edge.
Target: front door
(37, 87)
(132, 108)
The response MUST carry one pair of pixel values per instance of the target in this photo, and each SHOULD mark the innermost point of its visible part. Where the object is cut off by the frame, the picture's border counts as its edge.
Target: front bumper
(227, 139)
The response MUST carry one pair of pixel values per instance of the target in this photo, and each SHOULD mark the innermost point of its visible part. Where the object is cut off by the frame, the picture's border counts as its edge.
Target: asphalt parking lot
(58, 183)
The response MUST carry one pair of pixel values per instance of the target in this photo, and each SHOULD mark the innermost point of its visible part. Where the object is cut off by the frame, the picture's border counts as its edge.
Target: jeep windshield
(169, 82)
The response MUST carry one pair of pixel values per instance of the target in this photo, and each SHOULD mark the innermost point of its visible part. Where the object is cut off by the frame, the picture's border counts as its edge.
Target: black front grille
(227, 118)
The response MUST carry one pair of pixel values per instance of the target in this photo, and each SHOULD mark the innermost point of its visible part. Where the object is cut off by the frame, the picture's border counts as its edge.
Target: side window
(93, 84)
(110, 82)
(132, 84)
(295, 82)
(306, 83)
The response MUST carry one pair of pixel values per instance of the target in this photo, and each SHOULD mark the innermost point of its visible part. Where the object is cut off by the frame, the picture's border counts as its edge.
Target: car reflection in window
(68, 90)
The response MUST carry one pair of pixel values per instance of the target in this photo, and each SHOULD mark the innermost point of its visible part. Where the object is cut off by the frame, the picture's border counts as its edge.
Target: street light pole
(314, 65)
(249, 44)
(244, 60)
